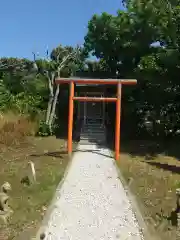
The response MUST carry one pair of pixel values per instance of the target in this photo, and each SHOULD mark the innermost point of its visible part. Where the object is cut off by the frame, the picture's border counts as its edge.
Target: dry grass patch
(29, 202)
(154, 180)
(14, 129)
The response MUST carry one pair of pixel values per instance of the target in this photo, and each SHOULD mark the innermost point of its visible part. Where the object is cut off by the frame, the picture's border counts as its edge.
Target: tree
(19, 85)
(142, 42)
(63, 61)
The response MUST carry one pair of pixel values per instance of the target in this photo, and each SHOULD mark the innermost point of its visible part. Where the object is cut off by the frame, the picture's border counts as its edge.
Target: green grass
(29, 203)
(153, 180)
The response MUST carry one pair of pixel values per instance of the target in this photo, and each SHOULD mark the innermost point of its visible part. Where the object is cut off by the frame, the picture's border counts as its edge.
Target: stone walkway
(92, 203)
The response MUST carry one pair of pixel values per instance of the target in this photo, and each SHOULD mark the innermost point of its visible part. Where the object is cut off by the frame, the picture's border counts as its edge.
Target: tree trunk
(51, 97)
(54, 107)
(48, 113)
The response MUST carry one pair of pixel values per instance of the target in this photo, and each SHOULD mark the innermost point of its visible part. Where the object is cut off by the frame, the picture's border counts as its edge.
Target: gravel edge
(51, 206)
(134, 203)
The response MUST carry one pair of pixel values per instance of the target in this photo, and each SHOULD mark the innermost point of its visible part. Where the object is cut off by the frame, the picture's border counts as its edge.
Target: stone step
(96, 131)
(92, 141)
(91, 129)
(92, 136)
(100, 130)
(93, 126)
(94, 120)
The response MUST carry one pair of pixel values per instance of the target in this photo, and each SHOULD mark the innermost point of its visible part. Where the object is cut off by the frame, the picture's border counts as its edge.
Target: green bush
(44, 129)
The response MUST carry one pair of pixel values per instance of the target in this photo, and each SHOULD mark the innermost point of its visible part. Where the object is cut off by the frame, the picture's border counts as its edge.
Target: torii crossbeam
(118, 82)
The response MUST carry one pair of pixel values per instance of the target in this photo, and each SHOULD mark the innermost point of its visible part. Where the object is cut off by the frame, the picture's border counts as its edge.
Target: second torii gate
(117, 99)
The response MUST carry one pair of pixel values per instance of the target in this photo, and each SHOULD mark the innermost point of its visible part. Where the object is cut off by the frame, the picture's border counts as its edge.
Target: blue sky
(33, 25)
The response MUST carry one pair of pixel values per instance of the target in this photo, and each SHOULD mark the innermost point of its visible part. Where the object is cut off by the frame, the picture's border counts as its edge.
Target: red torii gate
(118, 82)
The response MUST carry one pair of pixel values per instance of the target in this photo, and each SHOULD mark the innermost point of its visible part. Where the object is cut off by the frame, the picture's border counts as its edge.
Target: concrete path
(92, 203)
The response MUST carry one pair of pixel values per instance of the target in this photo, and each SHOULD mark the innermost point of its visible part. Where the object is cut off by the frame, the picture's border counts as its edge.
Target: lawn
(153, 180)
(28, 202)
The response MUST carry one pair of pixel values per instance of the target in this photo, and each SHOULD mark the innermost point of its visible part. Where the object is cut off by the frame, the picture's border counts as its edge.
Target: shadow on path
(98, 152)
(58, 154)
